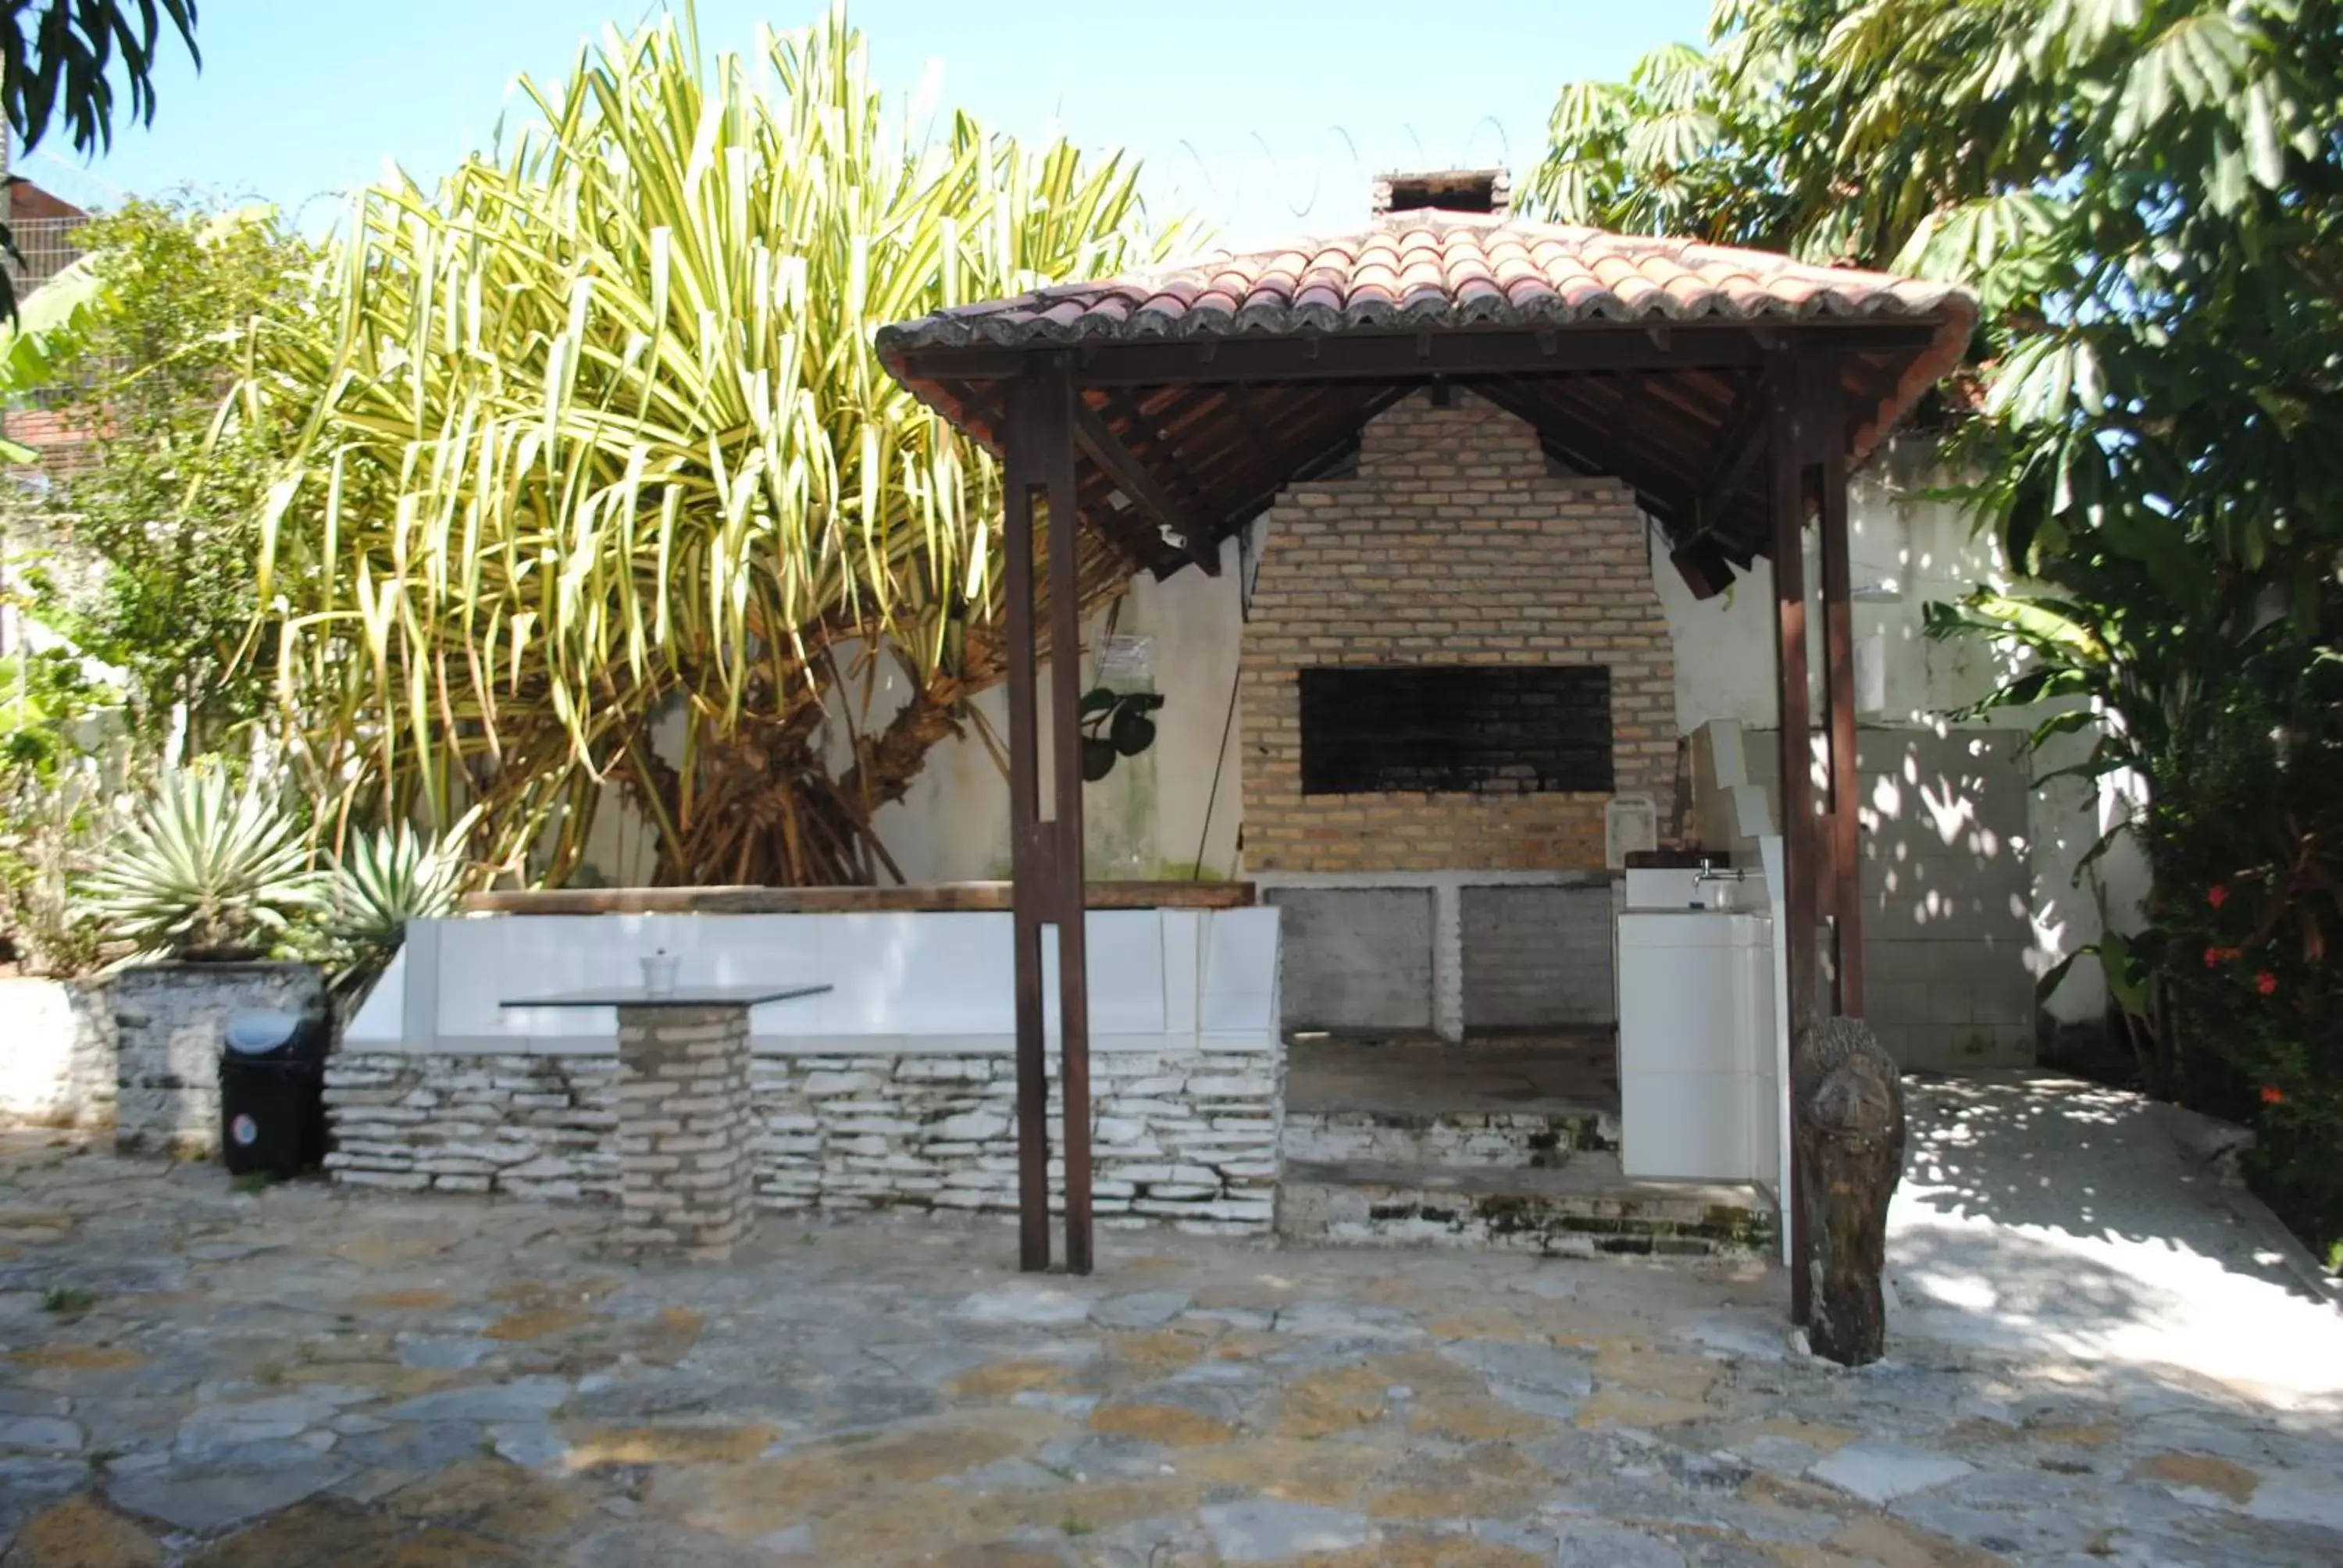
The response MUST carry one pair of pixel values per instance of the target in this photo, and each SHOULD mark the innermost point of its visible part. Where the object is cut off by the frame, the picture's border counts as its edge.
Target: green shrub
(204, 870)
(384, 880)
(2249, 898)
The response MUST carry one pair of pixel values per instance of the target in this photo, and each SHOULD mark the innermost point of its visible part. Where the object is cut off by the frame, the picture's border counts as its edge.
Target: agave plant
(203, 870)
(592, 436)
(390, 876)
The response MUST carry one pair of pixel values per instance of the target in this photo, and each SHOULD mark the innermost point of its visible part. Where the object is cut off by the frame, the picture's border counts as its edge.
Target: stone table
(686, 1179)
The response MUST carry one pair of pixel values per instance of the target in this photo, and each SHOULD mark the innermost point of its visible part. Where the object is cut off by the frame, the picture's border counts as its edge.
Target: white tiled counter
(897, 1087)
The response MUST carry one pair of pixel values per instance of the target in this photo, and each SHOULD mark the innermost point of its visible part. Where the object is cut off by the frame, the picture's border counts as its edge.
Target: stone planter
(169, 1020)
(56, 1053)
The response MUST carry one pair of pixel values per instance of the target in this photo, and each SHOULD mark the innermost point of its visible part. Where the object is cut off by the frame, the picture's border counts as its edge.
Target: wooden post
(1029, 842)
(1785, 490)
(1838, 641)
(1069, 911)
(1046, 852)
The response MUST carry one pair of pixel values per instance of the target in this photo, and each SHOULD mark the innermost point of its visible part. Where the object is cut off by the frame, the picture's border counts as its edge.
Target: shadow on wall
(1951, 914)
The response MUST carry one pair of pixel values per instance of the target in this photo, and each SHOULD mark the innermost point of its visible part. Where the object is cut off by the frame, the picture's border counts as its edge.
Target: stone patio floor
(2097, 1359)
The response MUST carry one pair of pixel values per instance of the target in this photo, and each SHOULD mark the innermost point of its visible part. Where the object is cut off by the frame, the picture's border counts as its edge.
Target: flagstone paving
(191, 1375)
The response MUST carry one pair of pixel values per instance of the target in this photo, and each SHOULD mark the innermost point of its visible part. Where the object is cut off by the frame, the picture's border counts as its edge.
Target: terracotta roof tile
(1434, 268)
(1428, 272)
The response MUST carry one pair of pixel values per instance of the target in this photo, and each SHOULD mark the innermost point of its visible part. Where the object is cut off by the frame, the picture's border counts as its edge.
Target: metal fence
(48, 246)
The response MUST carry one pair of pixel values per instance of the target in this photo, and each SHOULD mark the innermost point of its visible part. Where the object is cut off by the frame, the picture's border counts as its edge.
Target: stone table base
(683, 1129)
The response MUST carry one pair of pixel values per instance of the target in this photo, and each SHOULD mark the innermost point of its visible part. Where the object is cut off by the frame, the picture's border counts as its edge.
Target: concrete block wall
(1452, 545)
(1537, 957)
(1356, 958)
(57, 1056)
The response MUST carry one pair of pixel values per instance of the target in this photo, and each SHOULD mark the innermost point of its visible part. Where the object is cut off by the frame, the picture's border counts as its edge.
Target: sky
(1265, 119)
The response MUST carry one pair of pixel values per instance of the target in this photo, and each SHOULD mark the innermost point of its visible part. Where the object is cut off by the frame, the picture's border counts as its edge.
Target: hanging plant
(1115, 724)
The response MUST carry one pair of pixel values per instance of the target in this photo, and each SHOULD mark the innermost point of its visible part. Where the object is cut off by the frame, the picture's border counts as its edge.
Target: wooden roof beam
(1743, 438)
(1415, 357)
(1190, 536)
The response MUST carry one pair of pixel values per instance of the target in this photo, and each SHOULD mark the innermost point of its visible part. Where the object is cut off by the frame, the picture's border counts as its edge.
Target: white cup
(658, 975)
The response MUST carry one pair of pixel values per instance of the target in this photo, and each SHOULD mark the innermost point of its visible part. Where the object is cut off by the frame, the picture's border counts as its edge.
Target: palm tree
(597, 478)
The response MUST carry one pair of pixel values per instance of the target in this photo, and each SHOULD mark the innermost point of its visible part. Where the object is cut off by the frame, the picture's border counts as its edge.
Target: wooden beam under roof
(1194, 538)
(1413, 356)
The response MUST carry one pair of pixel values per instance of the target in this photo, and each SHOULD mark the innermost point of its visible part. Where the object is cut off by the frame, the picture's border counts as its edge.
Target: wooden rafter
(1190, 534)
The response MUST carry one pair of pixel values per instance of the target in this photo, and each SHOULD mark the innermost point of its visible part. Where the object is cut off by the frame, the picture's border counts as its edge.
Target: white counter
(1699, 1082)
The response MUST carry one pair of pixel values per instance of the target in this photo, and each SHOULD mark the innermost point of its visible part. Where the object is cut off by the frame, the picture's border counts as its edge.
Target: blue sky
(1265, 118)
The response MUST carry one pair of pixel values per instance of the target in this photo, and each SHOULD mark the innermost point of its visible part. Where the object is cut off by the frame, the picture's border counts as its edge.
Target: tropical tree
(59, 61)
(149, 519)
(595, 478)
(2148, 196)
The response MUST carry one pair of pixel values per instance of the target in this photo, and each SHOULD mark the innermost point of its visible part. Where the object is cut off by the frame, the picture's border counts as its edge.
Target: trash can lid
(253, 1033)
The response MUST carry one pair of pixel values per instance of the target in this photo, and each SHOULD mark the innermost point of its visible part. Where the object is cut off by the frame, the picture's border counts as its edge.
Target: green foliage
(2147, 195)
(50, 808)
(44, 693)
(59, 61)
(154, 537)
(388, 877)
(1115, 724)
(593, 434)
(67, 1302)
(204, 869)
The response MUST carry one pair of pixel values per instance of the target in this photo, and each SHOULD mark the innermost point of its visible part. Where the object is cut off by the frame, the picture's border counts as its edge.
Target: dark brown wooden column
(1029, 847)
(1845, 899)
(1069, 910)
(1046, 851)
(1785, 490)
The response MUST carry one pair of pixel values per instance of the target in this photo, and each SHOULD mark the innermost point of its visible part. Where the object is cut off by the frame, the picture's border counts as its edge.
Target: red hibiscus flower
(2273, 1095)
(2266, 983)
(2217, 894)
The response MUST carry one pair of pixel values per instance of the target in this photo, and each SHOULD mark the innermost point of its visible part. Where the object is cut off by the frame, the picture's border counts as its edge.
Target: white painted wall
(1148, 818)
(1156, 816)
(1904, 539)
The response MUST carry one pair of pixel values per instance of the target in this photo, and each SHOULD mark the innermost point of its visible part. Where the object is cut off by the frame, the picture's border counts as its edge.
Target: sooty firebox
(1477, 730)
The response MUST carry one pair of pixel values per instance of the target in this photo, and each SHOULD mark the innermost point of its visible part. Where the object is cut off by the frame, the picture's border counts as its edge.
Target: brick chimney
(1487, 191)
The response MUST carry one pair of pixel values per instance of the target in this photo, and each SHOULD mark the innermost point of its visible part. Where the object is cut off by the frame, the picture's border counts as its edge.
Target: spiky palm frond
(385, 878)
(203, 866)
(593, 436)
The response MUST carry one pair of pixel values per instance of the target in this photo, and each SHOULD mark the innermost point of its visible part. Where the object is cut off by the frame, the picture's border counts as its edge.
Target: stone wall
(1452, 545)
(167, 1020)
(684, 1127)
(539, 1126)
(57, 1066)
(1184, 1137)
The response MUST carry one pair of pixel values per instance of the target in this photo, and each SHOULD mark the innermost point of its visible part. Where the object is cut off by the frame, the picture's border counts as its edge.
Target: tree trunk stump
(1847, 1138)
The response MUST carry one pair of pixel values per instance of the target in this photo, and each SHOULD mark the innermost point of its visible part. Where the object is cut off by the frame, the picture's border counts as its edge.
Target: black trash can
(272, 1079)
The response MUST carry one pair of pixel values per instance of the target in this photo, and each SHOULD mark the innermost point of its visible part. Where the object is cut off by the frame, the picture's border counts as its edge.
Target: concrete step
(1570, 1211)
(1470, 1139)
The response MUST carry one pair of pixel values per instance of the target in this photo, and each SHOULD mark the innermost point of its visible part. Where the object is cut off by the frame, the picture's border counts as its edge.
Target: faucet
(1711, 873)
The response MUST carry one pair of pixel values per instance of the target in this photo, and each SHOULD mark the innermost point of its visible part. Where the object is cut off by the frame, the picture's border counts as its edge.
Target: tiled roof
(1227, 437)
(1428, 270)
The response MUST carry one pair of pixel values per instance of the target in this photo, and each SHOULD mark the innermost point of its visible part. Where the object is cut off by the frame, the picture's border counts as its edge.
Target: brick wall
(1452, 545)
